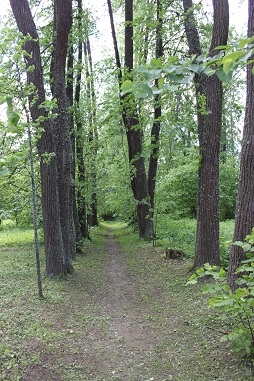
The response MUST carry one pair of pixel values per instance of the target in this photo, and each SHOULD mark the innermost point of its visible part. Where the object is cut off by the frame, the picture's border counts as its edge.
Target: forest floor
(125, 314)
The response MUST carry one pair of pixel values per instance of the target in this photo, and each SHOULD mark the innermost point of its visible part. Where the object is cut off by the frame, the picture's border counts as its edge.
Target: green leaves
(141, 90)
(13, 116)
(238, 304)
(127, 87)
(175, 72)
(223, 76)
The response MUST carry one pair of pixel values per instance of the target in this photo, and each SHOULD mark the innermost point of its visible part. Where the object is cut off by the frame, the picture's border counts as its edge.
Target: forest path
(131, 337)
(125, 315)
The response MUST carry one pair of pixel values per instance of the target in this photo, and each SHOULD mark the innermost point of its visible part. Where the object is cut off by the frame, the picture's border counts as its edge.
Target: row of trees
(162, 132)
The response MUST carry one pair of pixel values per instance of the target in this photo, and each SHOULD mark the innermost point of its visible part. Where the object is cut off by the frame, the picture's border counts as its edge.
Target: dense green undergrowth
(180, 234)
(47, 339)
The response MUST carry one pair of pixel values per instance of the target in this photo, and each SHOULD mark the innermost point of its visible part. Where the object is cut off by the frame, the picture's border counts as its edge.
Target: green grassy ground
(65, 336)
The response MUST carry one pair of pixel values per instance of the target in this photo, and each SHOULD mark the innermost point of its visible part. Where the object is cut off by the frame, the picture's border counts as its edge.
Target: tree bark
(244, 219)
(139, 181)
(138, 178)
(209, 113)
(70, 96)
(92, 135)
(62, 15)
(54, 246)
(155, 132)
(81, 170)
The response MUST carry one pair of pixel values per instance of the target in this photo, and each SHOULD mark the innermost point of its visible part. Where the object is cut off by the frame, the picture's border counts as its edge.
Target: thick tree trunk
(54, 247)
(207, 238)
(244, 219)
(209, 111)
(62, 13)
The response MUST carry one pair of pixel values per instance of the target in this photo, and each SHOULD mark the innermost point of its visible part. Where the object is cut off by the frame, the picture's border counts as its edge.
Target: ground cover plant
(125, 314)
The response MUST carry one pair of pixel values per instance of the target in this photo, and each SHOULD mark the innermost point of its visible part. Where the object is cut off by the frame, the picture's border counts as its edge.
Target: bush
(176, 192)
(180, 234)
(228, 189)
(238, 305)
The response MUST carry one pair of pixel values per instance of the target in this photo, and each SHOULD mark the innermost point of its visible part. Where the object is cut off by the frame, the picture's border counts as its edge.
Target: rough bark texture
(209, 111)
(62, 14)
(244, 219)
(54, 248)
(139, 181)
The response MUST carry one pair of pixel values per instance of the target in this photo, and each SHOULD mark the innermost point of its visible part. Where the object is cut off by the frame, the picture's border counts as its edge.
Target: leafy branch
(159, 77)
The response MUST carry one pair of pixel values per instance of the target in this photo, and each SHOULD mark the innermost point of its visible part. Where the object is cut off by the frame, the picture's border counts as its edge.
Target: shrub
(176, 191)
(238, 305)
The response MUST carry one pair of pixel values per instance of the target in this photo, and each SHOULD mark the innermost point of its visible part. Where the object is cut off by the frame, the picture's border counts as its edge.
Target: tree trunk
(70, 96)
(62, 22)
(155, 132)
(92, 135)
(139, 181)
(244, 219)
(54, 247)
(81, 170)
(209, 112)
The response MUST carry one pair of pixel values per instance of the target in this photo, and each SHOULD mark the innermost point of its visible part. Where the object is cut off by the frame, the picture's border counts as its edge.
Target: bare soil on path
(123, 316)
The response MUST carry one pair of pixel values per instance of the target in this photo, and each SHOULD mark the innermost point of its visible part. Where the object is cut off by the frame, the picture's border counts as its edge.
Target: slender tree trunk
(155, 132)
(209, 111)
(34, 203)
(92, 134)
(244, 219)
(116, 50)
(70, 96)
(139, 181)
(54, 247)
(81, 170)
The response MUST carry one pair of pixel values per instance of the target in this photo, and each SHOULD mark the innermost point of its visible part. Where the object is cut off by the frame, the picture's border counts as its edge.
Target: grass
(180, 235)
(68, 335)
(24, 319)
(16, 237)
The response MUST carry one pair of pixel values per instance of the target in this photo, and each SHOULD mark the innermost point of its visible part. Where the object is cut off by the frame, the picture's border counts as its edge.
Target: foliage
(176, 71)
(228, 188)
(176, 191)
(12, 236)
(238, 305)
(176, 234)
(180, 234)
(113, 184)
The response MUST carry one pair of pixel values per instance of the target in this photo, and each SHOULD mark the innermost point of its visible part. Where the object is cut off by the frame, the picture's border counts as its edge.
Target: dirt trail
(126, 316)
(130, 340)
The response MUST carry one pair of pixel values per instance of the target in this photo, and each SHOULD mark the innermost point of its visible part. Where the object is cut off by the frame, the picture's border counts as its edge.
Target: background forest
(126, 132)
(151, 158)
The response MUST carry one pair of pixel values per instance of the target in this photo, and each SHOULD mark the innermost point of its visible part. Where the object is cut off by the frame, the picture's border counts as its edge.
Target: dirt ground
(127, 317)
